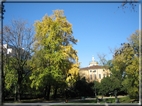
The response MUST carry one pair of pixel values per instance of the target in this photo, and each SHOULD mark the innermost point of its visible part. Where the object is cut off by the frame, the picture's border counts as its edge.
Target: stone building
(94, 71)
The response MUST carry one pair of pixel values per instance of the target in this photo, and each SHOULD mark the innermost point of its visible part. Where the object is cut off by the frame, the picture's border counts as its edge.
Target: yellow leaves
(74, 69)
(55, 51)
(58, 13)
(43, 28)
(66, 27)
(66, 50)
(134, 38)
(61, 19)
(73, 74)
(69, 52)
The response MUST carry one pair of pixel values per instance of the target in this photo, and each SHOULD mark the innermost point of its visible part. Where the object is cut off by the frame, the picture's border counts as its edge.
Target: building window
(90, 70)
(94, 76)
(94, 71)
(91, 76)
(100, 76)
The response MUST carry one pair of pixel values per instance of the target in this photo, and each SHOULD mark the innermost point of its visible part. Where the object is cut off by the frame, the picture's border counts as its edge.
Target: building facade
(94, 72)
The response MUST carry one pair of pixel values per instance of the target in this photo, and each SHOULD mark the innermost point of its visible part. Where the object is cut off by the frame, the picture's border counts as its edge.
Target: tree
(106, 86)
(126, 61)
(18, 37)
(96, 88)
(102, 59)
(53, 51)
(117, 77)
(83, 88)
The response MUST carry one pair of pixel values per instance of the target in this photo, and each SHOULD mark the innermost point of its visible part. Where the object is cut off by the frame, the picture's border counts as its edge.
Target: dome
(93, 62)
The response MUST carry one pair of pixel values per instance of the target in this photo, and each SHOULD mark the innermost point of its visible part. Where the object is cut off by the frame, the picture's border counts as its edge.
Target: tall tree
(126, 61)
(18, 39)
(54, 53)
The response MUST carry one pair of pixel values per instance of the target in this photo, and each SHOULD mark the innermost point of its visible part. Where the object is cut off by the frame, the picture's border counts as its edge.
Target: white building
(94, 71)
(6, 49)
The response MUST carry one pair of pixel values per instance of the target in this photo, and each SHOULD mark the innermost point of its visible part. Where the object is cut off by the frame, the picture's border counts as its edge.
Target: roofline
(92, 67)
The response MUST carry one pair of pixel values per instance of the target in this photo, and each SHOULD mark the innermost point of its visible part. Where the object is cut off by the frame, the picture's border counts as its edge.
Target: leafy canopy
(54, 54)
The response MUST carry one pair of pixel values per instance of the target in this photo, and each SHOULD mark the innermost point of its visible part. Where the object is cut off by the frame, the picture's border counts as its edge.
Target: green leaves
(54, 54)
(126, 61)
(10, 77)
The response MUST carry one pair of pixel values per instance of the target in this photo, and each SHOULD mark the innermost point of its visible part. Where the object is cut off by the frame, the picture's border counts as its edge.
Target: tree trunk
(55, 92)
(45, 92)
(115, 93)
(48, 92)
(116, 99)
(19, 86)
(102, 97)
(15, 97)
(18, 92)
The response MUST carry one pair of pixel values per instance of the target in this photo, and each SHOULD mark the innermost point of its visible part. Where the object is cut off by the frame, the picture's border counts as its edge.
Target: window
(91, 76)
(90, 70)
(94, 71)
(100, 76)
(94, 76)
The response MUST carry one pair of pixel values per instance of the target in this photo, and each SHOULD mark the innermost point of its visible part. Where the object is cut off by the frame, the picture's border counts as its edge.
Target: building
(12, 51)
(94, 71)
(7, 49)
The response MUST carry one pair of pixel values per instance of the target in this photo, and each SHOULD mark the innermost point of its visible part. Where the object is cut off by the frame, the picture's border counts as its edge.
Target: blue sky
(97, 26)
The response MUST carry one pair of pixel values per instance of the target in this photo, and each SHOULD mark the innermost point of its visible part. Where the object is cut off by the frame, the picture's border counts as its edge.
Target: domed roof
(93, 62)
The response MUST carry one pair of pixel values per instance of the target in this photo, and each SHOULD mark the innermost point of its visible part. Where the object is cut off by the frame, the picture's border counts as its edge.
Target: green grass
(83, 101)
(105, 100)
(109, 100)
(127, 99)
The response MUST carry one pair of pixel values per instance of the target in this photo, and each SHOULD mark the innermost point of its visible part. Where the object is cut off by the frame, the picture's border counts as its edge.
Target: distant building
(21, 53)
(7, 49)
(94, 71)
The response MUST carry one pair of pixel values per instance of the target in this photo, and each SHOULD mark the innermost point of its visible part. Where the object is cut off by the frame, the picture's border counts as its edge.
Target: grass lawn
(83, 101)
(124, 99)
(107, 100)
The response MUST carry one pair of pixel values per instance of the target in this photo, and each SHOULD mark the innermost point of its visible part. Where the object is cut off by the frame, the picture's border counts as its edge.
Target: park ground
(110, 99)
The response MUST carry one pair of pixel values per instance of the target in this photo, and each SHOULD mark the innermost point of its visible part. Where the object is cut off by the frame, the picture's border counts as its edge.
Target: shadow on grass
(105, 100)
(35, 101)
